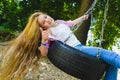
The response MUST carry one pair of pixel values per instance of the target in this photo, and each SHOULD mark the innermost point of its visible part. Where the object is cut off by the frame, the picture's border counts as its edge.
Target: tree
(112, 27)
(16, 12)
(111, 30)
(82, 32)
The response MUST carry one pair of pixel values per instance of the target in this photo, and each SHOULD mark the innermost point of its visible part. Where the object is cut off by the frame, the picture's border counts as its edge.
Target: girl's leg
(110, 57)
(111, 73)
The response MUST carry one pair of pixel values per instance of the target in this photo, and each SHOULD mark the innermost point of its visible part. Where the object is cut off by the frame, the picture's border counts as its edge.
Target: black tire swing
(75, 62)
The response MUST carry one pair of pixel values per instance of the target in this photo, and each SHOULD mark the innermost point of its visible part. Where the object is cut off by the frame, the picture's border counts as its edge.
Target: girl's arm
(80, 19)
(44, 48)
(72, 23)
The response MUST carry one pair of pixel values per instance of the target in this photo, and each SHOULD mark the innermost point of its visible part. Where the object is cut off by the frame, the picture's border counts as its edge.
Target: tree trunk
(82, 31)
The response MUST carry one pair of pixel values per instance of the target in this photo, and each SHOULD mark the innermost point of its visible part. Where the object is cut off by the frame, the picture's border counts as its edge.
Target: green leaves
(112, 27)
(16, 12)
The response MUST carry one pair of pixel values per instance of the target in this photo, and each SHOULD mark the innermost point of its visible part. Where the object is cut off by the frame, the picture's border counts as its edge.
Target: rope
(104, 23)
(103, 26)
(88, 12)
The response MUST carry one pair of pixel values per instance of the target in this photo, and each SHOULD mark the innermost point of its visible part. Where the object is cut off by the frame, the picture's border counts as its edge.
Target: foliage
(112, 27)
(16, 12)
(6, 33)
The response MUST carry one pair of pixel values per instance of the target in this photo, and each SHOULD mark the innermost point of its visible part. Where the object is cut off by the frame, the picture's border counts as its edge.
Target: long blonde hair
(21, 53)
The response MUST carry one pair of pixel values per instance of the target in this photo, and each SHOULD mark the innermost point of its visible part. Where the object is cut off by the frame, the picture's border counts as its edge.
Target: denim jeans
(111, 73)
(108, 56)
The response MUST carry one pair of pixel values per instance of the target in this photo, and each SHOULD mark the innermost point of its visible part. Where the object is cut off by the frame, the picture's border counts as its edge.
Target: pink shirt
(68, 23)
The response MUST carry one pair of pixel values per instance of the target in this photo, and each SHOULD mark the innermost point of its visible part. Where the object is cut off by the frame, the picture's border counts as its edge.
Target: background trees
(16, 12)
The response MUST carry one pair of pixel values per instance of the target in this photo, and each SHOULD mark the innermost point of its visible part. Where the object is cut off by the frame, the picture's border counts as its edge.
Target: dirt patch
(48, 71)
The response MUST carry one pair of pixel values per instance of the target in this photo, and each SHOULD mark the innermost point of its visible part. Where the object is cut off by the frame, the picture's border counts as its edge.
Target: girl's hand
(86, 17)
(44, 35)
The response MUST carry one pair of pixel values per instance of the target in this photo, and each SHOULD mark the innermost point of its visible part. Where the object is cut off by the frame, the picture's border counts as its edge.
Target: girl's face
(45, 21)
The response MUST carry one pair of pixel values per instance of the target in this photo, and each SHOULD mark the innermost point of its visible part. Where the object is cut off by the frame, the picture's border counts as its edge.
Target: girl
(60, 30)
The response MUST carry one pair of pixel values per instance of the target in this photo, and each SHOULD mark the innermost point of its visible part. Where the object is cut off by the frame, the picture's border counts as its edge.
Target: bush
(6, 33)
